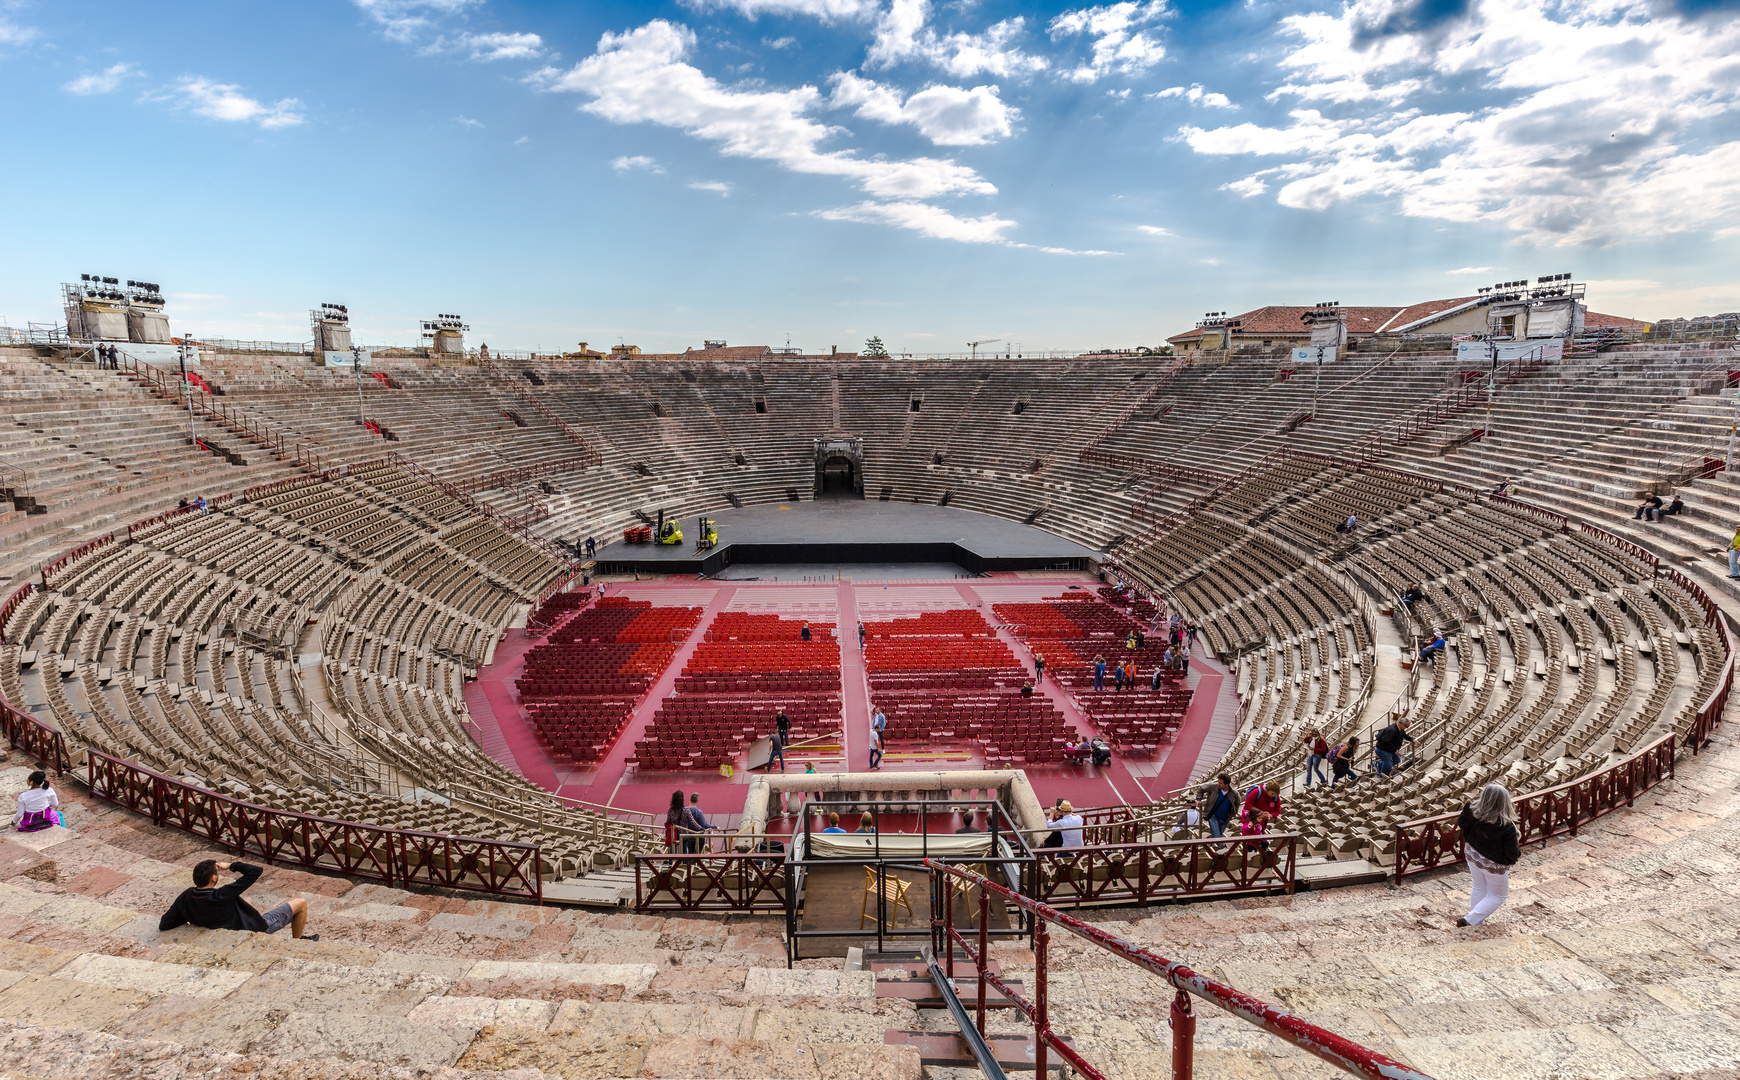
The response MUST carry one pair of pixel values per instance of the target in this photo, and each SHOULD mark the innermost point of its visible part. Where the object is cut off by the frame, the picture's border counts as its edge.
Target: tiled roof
(1595, 320)
(1413, 313)
(1285, 321)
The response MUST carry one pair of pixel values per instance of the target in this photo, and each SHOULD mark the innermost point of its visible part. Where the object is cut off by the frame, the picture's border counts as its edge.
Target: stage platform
(849, 530)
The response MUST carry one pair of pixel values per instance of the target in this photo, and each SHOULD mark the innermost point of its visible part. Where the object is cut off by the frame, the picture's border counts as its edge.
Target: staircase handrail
(460, 495)
(1340, 1052)
(1456, 399)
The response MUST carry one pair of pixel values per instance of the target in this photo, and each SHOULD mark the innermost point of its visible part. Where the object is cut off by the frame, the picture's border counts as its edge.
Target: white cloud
(105, 81)
(1598, 120)
(1155, 230)
(780, 42)
(1118, 45)
(404, 20)
(225, 101)
(946, 115)
(636, 161)
(522, 140)
(466, 121)
(926, 220)
(901, 34)
(13, 34)
(825, 10)
(486, 47)
(1469, 270)
(1247, 187)
(1068, 251)
(641, 76)
(1196, 95)
(719, 186)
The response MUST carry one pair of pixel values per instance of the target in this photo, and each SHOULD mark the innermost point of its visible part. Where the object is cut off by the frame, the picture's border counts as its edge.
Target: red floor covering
(493, 702)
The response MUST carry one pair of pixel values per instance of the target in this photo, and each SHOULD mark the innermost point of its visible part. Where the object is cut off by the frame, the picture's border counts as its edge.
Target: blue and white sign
(1480, 352)
(346, 358)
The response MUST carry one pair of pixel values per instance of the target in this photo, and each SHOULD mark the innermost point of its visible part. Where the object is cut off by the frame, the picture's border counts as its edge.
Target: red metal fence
(946, 938)
(732, 881)
(1169, 870)
(27, 733)
(395, 857)
(11, 605)
(1432, 842)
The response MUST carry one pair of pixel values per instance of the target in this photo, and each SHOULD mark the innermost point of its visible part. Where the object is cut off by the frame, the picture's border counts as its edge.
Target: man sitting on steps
(208, 906)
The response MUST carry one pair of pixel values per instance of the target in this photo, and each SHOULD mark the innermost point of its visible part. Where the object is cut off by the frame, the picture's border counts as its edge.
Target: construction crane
(975, 345)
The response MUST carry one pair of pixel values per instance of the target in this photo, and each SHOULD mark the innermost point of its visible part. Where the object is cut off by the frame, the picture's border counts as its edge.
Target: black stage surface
(853, 530)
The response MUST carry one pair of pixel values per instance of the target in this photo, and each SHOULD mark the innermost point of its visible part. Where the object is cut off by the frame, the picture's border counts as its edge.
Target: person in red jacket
(1262, 806)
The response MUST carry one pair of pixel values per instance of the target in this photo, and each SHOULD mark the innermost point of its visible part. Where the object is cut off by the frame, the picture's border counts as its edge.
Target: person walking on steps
(1492, 845)
(1388, 746)
(1734, 555)
(1038, 668)
(875, 750)
(1316, 749)
(1341, 761)
(1222, 804)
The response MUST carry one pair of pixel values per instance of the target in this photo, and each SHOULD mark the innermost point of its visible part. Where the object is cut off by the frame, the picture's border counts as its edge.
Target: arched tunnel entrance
(839, 468)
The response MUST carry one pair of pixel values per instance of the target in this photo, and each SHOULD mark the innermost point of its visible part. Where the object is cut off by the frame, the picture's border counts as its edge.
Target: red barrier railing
(733, 881)
(11, 605)
(73, 556)
(1432, 842)
(396, 857)
(1145, 873)
(27, 733)
(1634, 550)
(945, 939)
(1547, 517)
(503, 477)
(592, 454)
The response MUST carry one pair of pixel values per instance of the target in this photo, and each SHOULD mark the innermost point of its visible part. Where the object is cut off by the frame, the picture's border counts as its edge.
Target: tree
(875, 349)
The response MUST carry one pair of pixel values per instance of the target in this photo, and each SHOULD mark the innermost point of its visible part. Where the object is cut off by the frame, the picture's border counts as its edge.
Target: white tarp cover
(446, 341)
(344, 359)
(899, 845)
(103, 325)
(1550, 320)
(148, 327)
(336, 335)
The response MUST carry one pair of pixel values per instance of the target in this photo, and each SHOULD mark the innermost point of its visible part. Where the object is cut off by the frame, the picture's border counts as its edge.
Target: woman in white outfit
(36, 805)
(1492, 845)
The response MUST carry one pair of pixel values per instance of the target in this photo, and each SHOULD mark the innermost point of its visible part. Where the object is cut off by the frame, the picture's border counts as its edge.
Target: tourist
(1677, 507)
(1100, 661)
(1221, 805)
(809, 768)
(805, 632)
(1038, 667)
(878, 720)
(1130, 640)
(1159, 669)
(1118, 676)
(38, 805)
(1734, 555)
(207, 906)
(1649, 509)
(674, 822)
(1412, 596)
(833, 823)
(1316, 749)
(1141, 638)
(867, 822)
(1433, 648)
(1069, 823)
(1027, 689)
(694, 824)
(875, 750)
(782, 724)
(1262, 806)
(860, 635)
(1388, 746)
(1492, 845)
(1341, 761)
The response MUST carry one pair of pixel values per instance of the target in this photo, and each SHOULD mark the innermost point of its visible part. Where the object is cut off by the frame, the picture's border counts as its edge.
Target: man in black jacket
(208, 906)
(1389, 746)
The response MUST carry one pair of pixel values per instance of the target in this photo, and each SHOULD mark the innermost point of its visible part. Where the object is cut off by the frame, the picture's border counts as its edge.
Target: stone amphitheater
(304, 644)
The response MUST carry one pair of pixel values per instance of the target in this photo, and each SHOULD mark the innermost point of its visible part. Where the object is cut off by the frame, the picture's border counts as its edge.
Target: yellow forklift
(706, 533)
(667, 532)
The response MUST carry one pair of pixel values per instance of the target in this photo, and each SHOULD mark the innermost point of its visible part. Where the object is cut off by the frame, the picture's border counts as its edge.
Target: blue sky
(1053, 175)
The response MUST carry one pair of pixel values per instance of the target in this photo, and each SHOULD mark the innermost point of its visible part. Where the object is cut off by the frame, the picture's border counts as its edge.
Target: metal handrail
(1336, 1050)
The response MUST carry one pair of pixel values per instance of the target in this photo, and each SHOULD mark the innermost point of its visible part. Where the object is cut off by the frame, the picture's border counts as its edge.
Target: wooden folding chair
(893, 892)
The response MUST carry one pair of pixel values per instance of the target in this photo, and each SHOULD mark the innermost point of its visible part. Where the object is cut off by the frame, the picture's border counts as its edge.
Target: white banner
(1307, 354)
(1479, 353)
(158, 355)
(334, 358)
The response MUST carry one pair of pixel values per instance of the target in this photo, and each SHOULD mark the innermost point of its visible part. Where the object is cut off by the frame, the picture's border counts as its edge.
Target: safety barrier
(1428, 843)
(27, 733)
(946, 880)
(1147, 873)
(11, 605)
(396, 857)
(73, 556)
(732, 881)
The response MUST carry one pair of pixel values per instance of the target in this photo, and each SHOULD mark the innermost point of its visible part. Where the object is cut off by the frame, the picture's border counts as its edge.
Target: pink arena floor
(502, 728)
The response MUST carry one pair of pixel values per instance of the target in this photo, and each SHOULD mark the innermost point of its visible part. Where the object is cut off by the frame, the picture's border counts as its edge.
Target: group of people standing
(1386, 756)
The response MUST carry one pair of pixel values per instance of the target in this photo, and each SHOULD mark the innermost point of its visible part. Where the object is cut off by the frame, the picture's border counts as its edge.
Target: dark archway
(840, 478)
